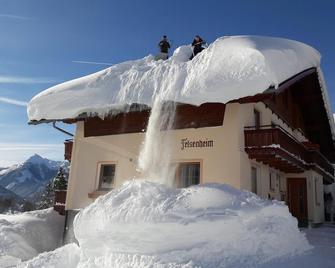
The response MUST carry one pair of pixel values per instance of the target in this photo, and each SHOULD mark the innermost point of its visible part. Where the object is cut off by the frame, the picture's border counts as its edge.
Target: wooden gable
(299, 102)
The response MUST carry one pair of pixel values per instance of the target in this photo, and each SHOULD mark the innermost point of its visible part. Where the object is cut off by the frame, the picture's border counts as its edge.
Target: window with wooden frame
(257, 119)
(187, 174)
(106, 177)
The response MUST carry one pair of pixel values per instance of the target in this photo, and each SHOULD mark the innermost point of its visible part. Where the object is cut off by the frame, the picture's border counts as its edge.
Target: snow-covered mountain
(4, 194)
(10, 201)
(29, 177)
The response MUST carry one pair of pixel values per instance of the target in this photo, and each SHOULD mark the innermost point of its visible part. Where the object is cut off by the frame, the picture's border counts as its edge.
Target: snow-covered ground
(25, 235)
(145, 224)
(321, 255)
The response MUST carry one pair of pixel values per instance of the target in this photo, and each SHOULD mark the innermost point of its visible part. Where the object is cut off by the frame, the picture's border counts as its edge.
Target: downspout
(60, 129)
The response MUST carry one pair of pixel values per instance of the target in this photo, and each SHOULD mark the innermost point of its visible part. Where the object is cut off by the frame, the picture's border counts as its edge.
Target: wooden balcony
(59, 201)
(277, 148)
(68, 144)
(319, 163)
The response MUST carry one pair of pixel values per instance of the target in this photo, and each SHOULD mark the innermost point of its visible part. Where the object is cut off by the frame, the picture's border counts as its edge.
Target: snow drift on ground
(230, 68)
(24, 235)
(63, 257)
(145, 224)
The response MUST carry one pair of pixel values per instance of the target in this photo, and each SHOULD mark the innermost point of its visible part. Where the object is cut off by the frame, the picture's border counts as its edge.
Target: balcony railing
(276, 147)
(59, 201)
(316, 159)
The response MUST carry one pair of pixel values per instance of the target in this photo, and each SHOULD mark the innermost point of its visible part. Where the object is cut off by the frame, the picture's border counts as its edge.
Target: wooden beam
(291, 81)
(306, 99)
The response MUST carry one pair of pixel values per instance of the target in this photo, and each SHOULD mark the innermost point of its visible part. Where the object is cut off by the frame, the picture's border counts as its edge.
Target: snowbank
(25, 235)
(144, 224)
(231, 67)
(63, 257)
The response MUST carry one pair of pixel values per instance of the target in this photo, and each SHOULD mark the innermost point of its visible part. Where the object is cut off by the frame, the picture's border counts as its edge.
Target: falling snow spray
(155, 155)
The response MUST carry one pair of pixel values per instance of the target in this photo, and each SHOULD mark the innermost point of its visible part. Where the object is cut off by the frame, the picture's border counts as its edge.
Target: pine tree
(60, 181)
(47, 197)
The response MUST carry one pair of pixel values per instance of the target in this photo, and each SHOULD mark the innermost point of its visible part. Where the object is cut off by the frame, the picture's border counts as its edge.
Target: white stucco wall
(225, 162)
(220, 163)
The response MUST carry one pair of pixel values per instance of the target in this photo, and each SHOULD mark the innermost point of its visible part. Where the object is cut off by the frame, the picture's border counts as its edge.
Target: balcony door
(297, 199)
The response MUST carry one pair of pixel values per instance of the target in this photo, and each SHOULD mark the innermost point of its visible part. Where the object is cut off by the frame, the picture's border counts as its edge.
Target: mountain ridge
(31, 176)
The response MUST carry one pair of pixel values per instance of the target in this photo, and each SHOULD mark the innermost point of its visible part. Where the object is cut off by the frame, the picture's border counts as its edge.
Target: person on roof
(164, 47)
(197, 45)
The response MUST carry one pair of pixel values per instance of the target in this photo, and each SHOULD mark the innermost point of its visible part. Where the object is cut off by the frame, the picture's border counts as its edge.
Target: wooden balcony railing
(276, 147)
(59, 201)
(319, 162)
(68, 144)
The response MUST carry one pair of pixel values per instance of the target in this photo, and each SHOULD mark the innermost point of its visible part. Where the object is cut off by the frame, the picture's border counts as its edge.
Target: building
(277, 142)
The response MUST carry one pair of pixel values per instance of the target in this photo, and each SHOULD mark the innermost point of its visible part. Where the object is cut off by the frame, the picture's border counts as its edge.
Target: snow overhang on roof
(230, 68)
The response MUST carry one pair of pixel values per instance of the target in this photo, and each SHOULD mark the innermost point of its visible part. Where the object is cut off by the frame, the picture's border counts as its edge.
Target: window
(257, 119)
(254, 180)
(272, 181)
(106, 177)
(188, 174)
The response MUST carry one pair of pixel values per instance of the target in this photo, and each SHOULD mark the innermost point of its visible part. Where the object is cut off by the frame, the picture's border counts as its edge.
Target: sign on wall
(186, 144)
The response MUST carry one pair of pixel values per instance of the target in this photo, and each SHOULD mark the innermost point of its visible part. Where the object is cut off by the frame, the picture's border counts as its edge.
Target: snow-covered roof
(230, 68)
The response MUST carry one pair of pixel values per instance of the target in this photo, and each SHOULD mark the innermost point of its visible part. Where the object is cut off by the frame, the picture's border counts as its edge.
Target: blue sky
(41, 39)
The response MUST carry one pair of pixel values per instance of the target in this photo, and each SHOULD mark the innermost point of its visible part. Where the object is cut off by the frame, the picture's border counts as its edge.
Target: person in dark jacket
(197, 46)
(164, 47)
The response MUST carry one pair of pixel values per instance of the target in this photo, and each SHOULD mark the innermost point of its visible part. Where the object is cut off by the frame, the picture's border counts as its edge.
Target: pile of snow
(63, 257)
(25, 235)
(230, 68)
(145, 224)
